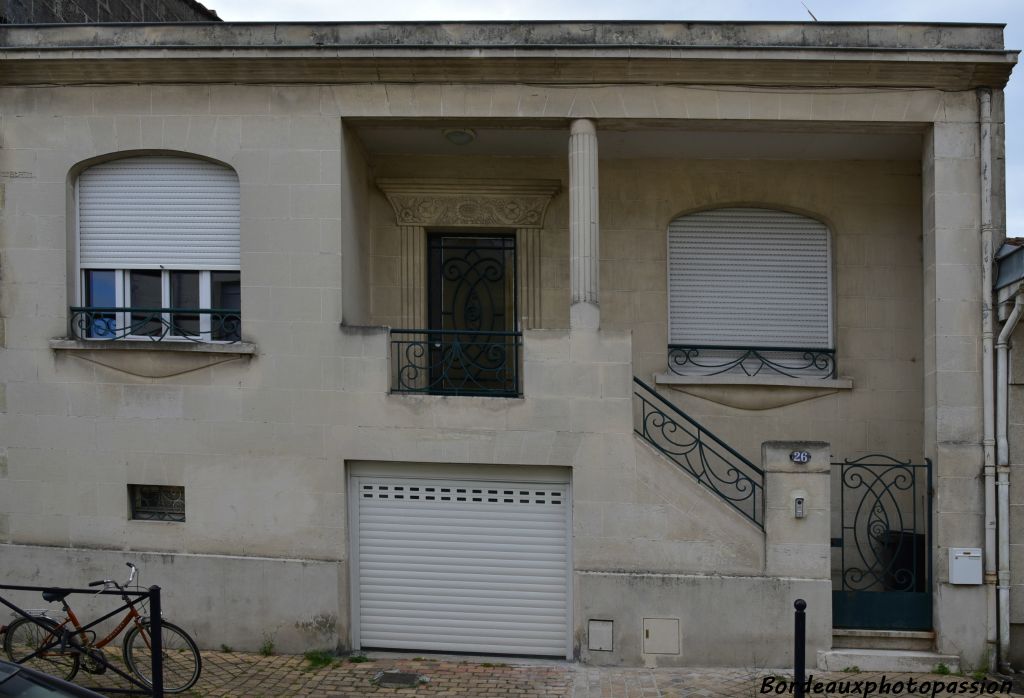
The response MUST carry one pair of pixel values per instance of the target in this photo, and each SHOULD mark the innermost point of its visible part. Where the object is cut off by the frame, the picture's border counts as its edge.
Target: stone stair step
(923, 641)
(907, 661)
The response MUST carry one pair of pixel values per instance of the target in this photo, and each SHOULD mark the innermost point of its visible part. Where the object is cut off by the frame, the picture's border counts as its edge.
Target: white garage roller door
(462, 566)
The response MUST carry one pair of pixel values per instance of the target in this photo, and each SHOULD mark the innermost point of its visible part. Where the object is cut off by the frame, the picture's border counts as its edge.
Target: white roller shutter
(147, 212)
(749, 277)
(462, 566)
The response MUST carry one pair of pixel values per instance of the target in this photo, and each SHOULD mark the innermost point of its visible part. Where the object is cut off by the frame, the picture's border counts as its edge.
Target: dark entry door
(472, 312)
(881, 561)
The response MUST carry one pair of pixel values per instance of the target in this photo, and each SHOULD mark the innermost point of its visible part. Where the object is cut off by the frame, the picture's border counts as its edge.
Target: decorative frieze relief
(470, 202)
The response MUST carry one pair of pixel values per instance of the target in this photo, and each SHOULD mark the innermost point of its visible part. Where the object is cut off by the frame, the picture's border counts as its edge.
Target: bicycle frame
(70, 635)
(132, 615)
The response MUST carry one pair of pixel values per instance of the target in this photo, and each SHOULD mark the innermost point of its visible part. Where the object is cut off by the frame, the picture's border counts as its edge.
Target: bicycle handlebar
(111, 582)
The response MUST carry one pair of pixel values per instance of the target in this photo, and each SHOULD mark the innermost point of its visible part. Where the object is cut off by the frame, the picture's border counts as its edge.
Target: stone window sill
(237, 348)
(671, 379)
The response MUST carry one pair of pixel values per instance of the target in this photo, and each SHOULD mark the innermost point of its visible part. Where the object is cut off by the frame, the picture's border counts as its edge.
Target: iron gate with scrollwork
(881, 559)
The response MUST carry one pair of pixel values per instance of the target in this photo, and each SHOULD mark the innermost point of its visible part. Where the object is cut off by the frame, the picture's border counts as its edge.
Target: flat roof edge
(547, 33)
(421, 22)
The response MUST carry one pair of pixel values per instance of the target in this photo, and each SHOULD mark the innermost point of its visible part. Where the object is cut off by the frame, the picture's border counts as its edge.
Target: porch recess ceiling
(695, 143)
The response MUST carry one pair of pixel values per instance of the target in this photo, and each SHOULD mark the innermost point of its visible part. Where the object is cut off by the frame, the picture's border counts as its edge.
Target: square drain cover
(402, 679)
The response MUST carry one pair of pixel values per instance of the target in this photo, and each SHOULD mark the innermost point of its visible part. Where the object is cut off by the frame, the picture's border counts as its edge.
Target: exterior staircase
(885, 650)
(917, 641)
(713, 463)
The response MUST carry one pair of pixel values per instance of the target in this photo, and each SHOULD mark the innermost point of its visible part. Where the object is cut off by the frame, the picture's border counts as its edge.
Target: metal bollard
(799, 647)
(157, 640)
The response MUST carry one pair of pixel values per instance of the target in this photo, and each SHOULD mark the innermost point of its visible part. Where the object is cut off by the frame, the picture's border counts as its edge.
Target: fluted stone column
(584, 228)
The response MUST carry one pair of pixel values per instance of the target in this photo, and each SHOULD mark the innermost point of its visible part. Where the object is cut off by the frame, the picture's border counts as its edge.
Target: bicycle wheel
(182, 663)
(24, 636)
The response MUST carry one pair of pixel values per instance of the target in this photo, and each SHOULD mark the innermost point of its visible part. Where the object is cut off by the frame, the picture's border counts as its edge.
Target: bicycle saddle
(52, 595)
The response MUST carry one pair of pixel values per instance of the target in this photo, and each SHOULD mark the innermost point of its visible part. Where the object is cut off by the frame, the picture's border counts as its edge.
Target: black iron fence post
(799, 647)
(156, 637)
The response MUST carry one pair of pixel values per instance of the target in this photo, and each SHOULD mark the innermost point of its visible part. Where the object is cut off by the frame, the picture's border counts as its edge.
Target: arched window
(158, 250)
(750, 292)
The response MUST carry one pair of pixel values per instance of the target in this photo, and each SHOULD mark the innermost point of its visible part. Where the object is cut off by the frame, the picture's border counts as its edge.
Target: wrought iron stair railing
(714, 464)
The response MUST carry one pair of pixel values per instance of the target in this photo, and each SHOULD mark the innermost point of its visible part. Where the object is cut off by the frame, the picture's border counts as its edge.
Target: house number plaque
(800, 456)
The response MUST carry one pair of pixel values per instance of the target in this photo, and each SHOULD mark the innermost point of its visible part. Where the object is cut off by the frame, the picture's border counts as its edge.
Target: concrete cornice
(526, 34)
(949, 57)
(756, 68)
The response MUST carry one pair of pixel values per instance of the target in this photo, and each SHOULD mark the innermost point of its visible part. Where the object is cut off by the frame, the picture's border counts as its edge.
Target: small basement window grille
(157, 502)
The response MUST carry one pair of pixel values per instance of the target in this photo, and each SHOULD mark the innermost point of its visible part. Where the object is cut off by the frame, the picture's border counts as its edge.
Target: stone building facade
(322, 191)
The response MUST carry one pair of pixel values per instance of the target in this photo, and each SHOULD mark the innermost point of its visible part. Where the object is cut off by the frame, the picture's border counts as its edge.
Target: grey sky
(1010, 12)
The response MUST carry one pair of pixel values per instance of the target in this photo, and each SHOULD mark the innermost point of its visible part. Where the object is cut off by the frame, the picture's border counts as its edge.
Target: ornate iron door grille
(472, 344)
(882, 561)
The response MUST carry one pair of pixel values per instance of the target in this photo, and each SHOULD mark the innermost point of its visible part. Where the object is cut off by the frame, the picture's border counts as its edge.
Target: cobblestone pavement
(246, 675)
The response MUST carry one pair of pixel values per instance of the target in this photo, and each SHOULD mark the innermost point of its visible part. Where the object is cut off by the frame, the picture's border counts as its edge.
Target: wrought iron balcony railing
(156, 324)
(456, 362)
(696, 450)
(791, 362)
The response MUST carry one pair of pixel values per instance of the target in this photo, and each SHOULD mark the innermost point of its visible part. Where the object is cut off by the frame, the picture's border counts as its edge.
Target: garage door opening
(461, 565)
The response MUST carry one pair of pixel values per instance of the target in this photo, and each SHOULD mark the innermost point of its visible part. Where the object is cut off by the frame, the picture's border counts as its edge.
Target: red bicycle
(41, 642)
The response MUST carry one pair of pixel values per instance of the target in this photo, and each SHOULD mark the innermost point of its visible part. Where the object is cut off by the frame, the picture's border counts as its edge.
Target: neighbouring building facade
(90, 11)
(604, 341)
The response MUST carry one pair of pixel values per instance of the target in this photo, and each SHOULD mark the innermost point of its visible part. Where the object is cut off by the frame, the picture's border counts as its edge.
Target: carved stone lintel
(469, 202)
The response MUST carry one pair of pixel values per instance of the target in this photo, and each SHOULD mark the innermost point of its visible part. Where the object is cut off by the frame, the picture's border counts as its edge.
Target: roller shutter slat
(749, 277)
(463, 576)
(177, 212)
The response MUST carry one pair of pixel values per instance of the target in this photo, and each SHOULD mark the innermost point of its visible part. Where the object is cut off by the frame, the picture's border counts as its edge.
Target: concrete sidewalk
(254, 676)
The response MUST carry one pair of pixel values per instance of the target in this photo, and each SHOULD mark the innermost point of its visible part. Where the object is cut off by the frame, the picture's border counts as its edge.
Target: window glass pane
(99, 288)
(100, 292)
(226, 294)
(157, 502)
(146, 293)
(185, 294)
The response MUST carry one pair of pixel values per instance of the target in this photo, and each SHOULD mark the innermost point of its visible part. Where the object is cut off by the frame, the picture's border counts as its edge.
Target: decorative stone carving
(144, 359)
(469, 202)
(135, 364)
(757, 393)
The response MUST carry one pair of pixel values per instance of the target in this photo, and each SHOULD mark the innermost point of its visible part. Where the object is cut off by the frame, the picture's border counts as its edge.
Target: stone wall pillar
(797, 547)
(584, 227)
(953, 392)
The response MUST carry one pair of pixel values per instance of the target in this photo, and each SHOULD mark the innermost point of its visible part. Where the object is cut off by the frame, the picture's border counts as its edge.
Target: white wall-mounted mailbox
(965, 566)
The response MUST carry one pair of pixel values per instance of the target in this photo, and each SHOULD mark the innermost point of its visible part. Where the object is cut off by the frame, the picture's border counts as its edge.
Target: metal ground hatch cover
(401, 679)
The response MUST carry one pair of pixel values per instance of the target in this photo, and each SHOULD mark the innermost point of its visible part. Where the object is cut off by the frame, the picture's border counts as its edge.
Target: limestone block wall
(953, 374)
(260, 443)
(239, 601)
(246, 438)
(715, 611)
